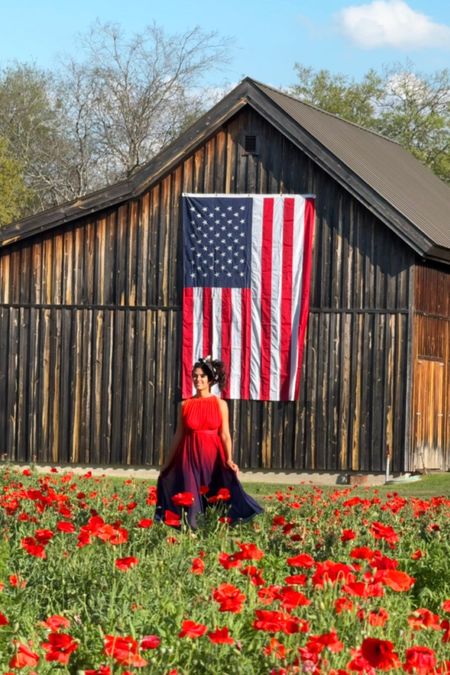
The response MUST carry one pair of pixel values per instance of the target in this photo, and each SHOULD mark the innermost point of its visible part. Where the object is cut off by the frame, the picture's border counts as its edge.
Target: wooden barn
(90, 302)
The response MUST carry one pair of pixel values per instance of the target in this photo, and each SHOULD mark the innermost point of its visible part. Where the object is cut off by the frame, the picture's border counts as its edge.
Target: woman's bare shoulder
(223, 404)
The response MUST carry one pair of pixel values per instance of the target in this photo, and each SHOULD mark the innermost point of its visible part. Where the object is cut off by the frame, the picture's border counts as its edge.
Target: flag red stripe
(225, 352)
(286, 298)
(187, 348)
(306, 284)
(266, 294)
(207, 321)
(246, 311)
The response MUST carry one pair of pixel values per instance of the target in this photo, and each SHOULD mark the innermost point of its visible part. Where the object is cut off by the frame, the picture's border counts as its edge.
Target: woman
(200, 458)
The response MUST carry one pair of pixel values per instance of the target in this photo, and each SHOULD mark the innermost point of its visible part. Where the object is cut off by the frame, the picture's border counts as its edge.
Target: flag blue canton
(217, 241)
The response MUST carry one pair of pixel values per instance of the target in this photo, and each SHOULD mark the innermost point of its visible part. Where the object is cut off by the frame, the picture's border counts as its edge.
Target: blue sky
(269, 36)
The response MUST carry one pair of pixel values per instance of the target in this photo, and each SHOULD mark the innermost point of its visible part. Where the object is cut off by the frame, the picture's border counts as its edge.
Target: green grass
(430, 485)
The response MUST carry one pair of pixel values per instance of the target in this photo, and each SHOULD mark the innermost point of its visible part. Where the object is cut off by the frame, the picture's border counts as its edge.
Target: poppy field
(325, 581)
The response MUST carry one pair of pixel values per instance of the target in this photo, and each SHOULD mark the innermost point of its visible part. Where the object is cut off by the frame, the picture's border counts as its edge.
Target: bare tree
(127, 98)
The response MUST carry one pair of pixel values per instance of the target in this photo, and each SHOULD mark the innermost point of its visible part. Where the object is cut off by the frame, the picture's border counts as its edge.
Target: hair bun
(213, 367)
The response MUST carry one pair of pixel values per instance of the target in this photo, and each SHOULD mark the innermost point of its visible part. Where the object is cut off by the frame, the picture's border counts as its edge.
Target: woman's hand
(234, 467)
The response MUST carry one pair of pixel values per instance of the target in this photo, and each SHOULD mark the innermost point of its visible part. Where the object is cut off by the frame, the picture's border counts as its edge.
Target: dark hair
(214, 369)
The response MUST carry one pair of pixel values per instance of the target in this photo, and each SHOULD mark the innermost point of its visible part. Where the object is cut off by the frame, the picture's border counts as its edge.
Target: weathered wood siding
(90, 326)
(431, 359)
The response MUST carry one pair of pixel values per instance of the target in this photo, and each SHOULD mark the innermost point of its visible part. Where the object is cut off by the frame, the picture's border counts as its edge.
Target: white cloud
(391, 23)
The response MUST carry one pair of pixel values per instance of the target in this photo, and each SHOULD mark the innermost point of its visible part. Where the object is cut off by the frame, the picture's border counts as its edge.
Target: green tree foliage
(14, 196)
(400, 103)
(31, 122)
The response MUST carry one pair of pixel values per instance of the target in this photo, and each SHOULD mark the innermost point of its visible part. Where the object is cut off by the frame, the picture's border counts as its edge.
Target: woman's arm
(177, 438)
(225, 436)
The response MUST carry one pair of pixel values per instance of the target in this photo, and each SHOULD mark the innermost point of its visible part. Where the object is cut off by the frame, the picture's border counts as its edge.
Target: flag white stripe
(216, 299)
(275, 310)
(299, 231)
(197, 340)
(256, 271)
(236, 344)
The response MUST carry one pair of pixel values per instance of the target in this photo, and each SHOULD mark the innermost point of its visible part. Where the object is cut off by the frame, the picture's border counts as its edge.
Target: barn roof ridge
(338, 146)
(321, 110)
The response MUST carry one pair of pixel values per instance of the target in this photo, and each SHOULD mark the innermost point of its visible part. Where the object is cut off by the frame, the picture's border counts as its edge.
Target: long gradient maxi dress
(199, 462)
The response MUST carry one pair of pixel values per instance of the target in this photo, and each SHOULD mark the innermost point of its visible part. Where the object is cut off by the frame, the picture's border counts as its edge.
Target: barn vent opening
(250, 144)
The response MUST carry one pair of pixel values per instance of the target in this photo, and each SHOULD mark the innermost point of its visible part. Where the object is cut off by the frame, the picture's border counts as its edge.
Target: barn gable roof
(387, 179)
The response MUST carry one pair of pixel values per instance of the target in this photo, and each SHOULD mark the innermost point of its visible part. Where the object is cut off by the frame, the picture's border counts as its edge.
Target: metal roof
(394, 173)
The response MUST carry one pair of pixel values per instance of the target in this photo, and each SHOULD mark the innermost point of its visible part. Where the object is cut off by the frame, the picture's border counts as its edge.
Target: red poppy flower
(16, 581)
(278, 521)
(23, 657)
(278, 622)
(103, 670)
(229, 598)
(124, 564)
(151, 496)
(43, 536)
(55, 622)
(379, 654)
(113, 535)
(420, 660)
(3, 620)
(145, 523)
(378, 617)
(124, 650)
(291, 599)
(383, 562)
(249, 552)
(343, 605)
(150, 642)
(348, 535)
(172, 519)
(301, 560)
(296, 579)
(221, 636)
(33, 548)
(446, 605)
(423, 618)
(317, 643)
(198, 566)
(417, 555)
(276, 648)
(183, 499)
(191, 629)
(445, 626)
(223, 495)
(386, 532)
(269, 594)
(59, 647)
(362, 553)
(229, 560)
(398, 581)
(363, 589)
(65, 526)
(332, 572)
(254, 573)
(84, 538)
(204, 489)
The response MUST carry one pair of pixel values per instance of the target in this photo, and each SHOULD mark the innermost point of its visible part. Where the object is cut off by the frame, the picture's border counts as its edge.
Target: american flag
(247, 268)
